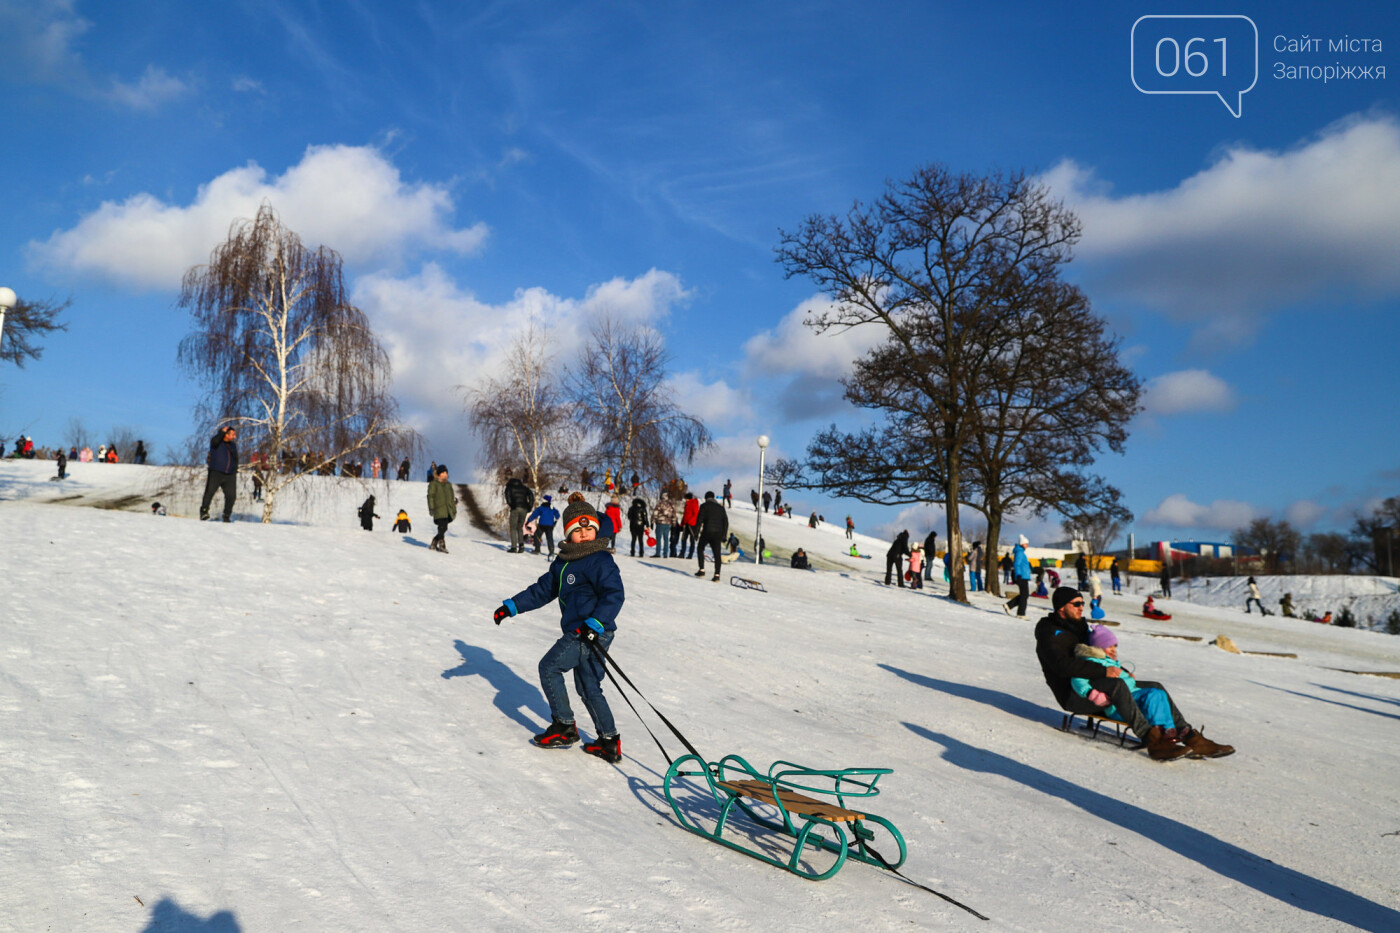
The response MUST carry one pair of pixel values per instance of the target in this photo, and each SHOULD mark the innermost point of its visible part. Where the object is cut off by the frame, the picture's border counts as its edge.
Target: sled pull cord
(608, 660)
(881, 859)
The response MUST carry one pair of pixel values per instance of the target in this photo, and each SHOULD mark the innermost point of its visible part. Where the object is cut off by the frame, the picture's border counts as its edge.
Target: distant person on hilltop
(729, 494)
(1166, 581)
(223, 471)
(850, 529)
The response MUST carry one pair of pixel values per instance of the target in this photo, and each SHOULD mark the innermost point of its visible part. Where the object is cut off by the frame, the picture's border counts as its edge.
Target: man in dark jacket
(711, 528)
(930, 552)
(894, 558)
(1056, 636)
(223, 471)
(520, 500)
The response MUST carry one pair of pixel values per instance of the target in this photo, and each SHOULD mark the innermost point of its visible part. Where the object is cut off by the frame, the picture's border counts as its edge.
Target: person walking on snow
(367, 514)
(442, 506)
(850, 529)
(1117, 581)
(520, 500)
(1021, 573)
(612, 516)
(223, 471)
(1081, 567)
(1254, 598)
(545, 518)
(916, 565)
(401, 523)
(729, 494)
(712, 524)
(930, 552)
(586, 581)
(637, 521)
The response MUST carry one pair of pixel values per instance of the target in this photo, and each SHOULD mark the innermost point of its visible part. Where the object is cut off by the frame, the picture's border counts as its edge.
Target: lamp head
(762, 441)
(7, 298)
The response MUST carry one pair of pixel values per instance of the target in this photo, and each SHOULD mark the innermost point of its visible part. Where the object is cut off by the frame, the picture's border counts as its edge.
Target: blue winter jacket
(1020, 564)
(587, 588)
(545, 515)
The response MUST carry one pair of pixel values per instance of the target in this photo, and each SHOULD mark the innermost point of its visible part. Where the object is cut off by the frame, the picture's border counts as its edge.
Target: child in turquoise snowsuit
(1103, 649)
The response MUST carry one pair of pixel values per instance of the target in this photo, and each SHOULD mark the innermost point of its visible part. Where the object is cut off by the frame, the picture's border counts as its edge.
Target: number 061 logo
(1196, 55)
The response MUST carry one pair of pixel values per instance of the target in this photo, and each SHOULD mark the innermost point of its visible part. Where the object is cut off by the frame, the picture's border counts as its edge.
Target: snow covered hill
(304, 726)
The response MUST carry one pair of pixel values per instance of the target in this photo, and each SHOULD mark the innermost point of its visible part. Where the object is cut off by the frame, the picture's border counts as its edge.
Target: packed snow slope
(305, 726)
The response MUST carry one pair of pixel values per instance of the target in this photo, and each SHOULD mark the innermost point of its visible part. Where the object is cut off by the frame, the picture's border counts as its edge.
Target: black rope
(608, 660)
(866, 847)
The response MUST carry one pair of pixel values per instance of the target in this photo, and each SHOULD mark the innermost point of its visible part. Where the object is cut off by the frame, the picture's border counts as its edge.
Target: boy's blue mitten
(590, 630)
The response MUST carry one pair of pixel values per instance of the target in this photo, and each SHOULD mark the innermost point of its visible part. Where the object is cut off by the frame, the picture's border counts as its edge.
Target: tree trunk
(957, 588)
(992, 562)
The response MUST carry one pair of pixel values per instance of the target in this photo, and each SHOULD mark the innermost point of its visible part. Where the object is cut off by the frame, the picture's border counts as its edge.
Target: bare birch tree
(283, 354)
(524, 417)
(624, 401)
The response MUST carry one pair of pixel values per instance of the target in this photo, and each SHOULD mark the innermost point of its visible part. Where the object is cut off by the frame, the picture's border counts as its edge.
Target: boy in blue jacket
(585, 580)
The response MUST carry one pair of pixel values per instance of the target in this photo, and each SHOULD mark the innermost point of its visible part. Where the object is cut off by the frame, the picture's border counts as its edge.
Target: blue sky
(479, 163)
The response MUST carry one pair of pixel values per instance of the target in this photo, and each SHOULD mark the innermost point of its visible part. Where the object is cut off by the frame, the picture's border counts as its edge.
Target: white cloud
(1304, 513)
(716, 403)
(350, 198)
(1255, 231)
(1189, 390)
(155, 88)
(1177, 511)
(440, 336)
(816, 362)
(39, 40)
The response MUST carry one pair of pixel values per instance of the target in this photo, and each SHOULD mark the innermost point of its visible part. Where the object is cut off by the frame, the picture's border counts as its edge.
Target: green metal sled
(817, 823)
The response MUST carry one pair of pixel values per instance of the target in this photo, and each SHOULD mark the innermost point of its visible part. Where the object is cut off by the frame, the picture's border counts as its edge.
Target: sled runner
(805, 804)
(1092, 723)
(747, 584)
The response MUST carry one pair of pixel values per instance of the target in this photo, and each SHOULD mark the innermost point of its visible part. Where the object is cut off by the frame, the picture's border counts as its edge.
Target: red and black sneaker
(608, 747)
(558, 735)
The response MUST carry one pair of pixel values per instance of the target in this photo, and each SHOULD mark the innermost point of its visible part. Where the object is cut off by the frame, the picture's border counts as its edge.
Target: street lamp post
(7, 301)
(758, 506)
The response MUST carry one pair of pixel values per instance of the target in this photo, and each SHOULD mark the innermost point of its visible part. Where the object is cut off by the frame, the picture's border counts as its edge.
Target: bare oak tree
(283, 354)
(524, 418)
(932, 262)
(25, 325)
(626, 405)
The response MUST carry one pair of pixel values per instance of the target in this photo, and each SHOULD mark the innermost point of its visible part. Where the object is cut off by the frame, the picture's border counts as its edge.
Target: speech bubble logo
(1212, 54)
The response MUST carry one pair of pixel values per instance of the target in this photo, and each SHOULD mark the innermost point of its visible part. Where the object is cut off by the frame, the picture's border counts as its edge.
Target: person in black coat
(223, 471)
(367, 515)
(894, 558)
(930, 552)
(637, 522)
(711, 528)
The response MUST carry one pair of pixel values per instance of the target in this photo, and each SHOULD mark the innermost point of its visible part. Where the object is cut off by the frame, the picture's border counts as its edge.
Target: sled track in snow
(477, 517)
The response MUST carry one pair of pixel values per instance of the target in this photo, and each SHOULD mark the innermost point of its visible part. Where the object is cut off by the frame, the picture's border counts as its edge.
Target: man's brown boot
(1204, 747)
(1161, 748)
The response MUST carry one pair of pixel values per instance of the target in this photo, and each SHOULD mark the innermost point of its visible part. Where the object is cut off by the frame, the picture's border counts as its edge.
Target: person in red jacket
(690, 523)
(614, 514)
